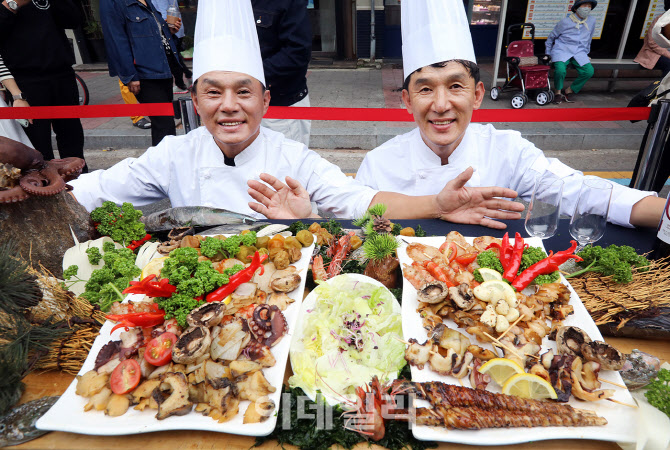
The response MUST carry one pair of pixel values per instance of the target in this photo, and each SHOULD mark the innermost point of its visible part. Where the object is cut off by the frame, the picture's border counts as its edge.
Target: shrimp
(318, 272)
(417, 275)
(420, 253)
(344, 246)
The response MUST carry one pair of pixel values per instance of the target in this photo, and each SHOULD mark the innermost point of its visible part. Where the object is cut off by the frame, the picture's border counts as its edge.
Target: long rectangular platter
(68, 412)
(621, 419)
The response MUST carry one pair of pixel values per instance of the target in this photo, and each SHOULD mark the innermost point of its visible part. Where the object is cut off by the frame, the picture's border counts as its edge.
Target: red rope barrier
(349, 114)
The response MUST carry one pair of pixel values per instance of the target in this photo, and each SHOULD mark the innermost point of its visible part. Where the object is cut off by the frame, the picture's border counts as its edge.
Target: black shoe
(143, 123)
(558, 99)
(569, 98)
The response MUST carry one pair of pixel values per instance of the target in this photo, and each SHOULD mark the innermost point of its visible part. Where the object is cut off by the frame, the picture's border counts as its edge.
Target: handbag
(647, 95)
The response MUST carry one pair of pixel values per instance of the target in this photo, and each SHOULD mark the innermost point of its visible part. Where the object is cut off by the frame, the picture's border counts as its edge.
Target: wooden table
(55, 383)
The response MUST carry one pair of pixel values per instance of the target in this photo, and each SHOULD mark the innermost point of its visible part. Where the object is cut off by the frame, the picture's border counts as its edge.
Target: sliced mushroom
(193, 344)
(259, 411)
(546, 358)
(177, 403)
(461, 370)
(279, 299)
(432, 292)
(254, 386)
(207, 315)
(462, 296)
(609, 357)
(569, 340)
(448, 338)
(286, 283)
(480, 353)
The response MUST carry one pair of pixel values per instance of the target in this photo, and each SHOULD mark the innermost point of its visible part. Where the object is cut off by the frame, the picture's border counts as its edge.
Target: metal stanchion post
(655, 143)
(189, 116)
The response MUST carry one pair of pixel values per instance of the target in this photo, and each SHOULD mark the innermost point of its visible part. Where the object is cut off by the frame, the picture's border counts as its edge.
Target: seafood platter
(454, 324)
(227, 361)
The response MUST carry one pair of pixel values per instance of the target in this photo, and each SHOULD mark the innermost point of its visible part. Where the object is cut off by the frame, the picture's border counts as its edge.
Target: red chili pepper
(435, 270)
(161, 288)
(515, 261)
(146, 319)
(546, 266)
(466, 258)
(243, 276)
(504, 251)
(135, 244)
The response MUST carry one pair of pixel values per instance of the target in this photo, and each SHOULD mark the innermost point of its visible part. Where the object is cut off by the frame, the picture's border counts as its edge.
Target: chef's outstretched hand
(277, 200)
(479, 205)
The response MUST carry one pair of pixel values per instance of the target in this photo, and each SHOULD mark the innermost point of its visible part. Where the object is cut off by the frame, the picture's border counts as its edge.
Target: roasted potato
(91, 383)
(117, 405)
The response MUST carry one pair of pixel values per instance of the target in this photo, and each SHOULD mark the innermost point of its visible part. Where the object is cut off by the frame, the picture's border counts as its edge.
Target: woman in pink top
(651, 55)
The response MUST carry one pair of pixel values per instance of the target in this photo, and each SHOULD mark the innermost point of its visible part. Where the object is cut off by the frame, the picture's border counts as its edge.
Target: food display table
(55, 383)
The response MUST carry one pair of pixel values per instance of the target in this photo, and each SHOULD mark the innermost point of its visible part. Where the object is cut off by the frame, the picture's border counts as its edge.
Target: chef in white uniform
(441, 90)
(220, 164)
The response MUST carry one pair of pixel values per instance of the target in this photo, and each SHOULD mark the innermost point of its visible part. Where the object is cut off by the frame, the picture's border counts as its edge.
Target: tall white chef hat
(226, 39)
(434, 31)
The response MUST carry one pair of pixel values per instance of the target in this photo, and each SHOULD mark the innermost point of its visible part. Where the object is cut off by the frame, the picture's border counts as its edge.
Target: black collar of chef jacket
(228, 161)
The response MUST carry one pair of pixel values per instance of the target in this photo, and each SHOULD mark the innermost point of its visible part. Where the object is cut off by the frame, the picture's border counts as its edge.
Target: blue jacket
(133, 40)
(285, 37)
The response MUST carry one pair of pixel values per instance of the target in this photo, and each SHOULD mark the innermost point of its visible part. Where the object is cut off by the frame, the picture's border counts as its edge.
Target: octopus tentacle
(44, 182)
(68, 168)
(15, 194)
(268, 324)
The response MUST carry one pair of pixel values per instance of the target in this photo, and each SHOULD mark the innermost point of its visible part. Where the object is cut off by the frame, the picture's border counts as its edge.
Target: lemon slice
(527, 385)
(154, 267)
(494, 290)
(501, 369)
(489, 274)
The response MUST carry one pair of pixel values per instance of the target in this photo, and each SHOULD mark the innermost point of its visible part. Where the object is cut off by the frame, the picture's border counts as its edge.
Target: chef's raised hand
(277, 200)
(480, 206)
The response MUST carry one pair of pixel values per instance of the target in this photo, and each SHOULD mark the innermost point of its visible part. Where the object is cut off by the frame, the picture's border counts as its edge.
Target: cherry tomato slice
(466, 259)
(125, 377)
(159, 349)
(449, 250)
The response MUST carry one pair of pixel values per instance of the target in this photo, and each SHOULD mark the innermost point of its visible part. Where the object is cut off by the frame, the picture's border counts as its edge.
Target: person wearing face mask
(569, 44)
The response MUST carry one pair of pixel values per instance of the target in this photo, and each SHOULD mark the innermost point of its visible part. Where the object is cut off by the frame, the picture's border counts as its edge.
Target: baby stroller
(525, 70)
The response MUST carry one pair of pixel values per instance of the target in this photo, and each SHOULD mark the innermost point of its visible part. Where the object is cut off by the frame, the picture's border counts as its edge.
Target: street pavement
(606, 148)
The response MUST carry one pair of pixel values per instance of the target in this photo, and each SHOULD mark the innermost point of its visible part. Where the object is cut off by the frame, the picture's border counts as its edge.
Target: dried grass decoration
(81, 317)
(610, 303)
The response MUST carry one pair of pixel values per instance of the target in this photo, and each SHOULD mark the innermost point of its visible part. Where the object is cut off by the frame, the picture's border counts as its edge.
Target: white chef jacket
(190, 171)
(407, 165)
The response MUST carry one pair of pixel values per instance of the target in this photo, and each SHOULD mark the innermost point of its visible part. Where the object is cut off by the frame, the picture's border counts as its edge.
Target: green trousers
(583, 74)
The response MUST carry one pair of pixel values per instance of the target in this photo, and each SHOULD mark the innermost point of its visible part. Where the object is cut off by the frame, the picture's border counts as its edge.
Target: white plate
(68, 412)
(621, 420)
(309, 303)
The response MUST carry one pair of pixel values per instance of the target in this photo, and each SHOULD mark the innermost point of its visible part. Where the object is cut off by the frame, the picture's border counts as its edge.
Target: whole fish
(233, 228)
(195, 216)
(18, 425)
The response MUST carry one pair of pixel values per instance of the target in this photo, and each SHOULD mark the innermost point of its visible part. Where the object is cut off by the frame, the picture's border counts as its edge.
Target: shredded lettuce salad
(350, 335)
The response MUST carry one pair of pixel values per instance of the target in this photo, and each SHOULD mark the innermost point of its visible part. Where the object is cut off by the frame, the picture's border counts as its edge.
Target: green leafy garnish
(419, 231)
(106, 283)
(658, 392)
(121, 224)
(297, 226)
(614, 260)
(94, 255)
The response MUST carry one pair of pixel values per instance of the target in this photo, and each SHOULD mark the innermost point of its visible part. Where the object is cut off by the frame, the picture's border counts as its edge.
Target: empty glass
(545, 207)
(590, 217)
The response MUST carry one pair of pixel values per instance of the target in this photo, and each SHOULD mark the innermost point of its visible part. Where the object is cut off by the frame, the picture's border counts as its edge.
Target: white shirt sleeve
(365, 174)
(139, 181)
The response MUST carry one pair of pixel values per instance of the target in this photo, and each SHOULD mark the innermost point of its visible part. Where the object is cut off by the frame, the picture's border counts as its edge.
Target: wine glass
(590, 217)
(545, 207)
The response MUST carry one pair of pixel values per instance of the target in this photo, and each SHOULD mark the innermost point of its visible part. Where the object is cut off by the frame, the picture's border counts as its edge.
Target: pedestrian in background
(569, 44)
(10, 128)
(653, 56)
(38, 54)
(142, 53)
(129, 98)
(162, 7)
(285, 37)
